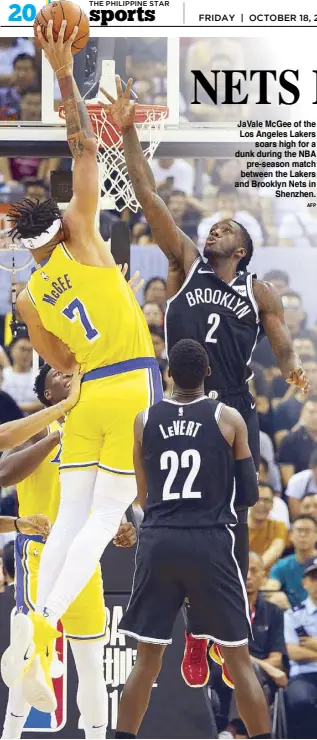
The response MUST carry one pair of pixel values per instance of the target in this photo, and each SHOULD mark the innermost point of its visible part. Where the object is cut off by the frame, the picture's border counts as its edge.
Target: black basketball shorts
(174, 563)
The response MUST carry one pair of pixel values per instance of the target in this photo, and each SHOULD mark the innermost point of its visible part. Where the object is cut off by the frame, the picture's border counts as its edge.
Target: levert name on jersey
(187, 428)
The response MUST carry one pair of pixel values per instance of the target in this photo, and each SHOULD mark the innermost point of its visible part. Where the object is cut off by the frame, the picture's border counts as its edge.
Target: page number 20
(22, 12)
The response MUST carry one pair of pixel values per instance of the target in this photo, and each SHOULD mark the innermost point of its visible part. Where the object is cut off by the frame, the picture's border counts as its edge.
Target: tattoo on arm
(79, 127)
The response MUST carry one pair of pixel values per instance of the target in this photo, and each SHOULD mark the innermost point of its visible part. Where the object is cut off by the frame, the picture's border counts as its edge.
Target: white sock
(16, 714)
(77, 489)
(112, 496)
(92, 698)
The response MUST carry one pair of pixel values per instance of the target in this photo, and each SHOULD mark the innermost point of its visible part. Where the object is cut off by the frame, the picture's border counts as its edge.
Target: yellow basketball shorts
(98, 432)
(85, 618)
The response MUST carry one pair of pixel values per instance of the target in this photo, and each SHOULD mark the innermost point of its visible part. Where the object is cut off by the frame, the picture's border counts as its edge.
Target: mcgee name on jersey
(59, 287)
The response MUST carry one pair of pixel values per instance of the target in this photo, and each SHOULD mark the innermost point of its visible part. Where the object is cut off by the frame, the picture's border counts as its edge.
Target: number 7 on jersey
(76, 310)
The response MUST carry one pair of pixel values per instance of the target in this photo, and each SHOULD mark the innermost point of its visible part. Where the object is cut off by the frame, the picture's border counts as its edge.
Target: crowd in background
(282, 580)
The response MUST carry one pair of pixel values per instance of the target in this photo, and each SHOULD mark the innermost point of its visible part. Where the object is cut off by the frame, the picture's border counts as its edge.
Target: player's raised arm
(167, 235)
(17, 432)
(80, 135)
(278, 334)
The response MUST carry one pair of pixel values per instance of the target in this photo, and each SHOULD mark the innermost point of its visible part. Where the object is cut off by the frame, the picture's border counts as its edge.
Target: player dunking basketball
(79, 310)
(188, 450)
(216, 302)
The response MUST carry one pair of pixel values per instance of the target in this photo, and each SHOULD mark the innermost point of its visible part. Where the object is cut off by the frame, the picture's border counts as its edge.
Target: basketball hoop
(116, 189)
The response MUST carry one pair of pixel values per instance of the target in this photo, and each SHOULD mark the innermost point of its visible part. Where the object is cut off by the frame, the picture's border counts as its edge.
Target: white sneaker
(37, 690)
(18, 656)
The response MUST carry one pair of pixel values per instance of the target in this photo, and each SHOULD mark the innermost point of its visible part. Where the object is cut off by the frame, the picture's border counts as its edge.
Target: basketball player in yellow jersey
(79, 310)
(34, 467)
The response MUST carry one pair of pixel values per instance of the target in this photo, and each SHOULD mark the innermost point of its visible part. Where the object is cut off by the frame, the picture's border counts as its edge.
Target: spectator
(302, 484)
(155, 290)
(286, 575)
(36, 190)
(8, 336)
(287, 413)
(227, 202)
(24, 77)
(267, 453)
(266, 646)
(184, 214)
(8, 565)
(30, 105)
(23, 168)
(296, 448)
(301, 643)
(4, 362)
(178, 171)
(308, 505)
(298, 229)
(279, 511)
(278, 278)
(9, 410)
(153, 313)
(267, 537)
(9, 50)
(157, 335)
(19, 379)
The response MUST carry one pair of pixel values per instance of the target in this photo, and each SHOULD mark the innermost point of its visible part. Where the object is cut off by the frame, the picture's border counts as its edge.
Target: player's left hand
(135, 281)
(299, 378)
(126, 535)
(58, 53)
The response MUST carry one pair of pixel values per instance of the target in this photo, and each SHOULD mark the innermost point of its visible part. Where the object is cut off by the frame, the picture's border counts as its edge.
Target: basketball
(64, 10)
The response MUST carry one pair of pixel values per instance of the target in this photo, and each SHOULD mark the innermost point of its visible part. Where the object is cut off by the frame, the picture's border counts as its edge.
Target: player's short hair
(248, 243)
(305, 517)
(30, 218)
(276, 275)
(39, 385)
(188, 364)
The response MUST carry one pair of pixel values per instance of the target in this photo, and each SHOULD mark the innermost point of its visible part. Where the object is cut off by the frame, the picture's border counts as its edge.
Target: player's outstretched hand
(74, 392)
(126, 535)
(58, 53)
(35, 524)
(122, 109)
(135, 281)
(299, 378)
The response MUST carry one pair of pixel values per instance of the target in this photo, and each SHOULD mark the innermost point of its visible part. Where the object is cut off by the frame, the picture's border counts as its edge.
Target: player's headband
(36, 242)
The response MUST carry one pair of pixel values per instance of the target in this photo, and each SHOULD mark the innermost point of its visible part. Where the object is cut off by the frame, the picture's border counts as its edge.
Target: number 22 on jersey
(76, 311)
(170, 461)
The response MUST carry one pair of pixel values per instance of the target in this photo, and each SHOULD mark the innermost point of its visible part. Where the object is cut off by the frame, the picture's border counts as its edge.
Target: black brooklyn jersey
(221, 317)
(189, 465)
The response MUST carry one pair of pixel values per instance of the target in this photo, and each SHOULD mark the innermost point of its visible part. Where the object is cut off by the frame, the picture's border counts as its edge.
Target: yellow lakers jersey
(39, 493)
(91, 309)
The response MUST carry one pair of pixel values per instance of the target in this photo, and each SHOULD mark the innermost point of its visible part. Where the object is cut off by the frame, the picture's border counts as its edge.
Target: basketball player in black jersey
(218, 303)
(193, 465)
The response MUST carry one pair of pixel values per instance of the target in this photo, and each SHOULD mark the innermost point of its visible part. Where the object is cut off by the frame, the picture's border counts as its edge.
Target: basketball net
(116, 190)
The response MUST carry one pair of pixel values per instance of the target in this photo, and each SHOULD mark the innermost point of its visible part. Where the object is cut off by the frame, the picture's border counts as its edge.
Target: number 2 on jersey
(213, 321)
(170, 461)
(76, 310)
